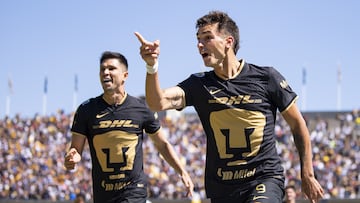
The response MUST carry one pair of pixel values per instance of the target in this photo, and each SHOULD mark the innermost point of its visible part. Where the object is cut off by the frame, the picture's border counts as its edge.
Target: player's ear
(125, 74)
(229, 41)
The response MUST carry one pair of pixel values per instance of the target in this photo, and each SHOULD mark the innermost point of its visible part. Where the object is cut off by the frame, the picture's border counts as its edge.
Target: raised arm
(157, 98)
(310, 186)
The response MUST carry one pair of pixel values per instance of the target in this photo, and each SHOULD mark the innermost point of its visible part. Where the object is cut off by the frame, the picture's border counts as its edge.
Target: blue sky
(61, 39)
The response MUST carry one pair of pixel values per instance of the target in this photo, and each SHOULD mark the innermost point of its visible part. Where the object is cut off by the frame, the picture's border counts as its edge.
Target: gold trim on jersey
(291, 103)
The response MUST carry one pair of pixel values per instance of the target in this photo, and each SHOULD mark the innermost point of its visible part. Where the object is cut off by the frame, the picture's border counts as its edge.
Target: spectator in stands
(290, 194)
(237, 104)
(80, 198)
(113, 124)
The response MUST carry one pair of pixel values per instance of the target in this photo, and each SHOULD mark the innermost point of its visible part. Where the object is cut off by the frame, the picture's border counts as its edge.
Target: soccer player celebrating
(113, 124)
(237, 104)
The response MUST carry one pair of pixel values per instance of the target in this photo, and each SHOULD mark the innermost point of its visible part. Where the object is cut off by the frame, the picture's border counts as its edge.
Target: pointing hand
(149, 51)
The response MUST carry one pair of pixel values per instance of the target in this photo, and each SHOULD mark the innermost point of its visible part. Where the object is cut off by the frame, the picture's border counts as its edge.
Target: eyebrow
(107, 66)
(205, 32)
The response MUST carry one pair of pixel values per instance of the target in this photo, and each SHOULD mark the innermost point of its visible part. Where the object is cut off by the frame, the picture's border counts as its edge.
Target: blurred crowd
(32, 155)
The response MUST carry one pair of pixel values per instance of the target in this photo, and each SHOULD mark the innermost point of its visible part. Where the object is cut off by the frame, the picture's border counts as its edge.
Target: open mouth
(204, 55)
(107, 80)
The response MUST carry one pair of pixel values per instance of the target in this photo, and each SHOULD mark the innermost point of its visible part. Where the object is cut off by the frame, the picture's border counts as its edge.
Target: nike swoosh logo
(260, 197)
(215, 91)
(102, 115)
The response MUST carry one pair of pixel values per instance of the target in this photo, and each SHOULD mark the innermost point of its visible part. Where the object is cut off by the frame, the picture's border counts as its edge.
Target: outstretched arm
(310, 186)
(169, 154)
(158, 99)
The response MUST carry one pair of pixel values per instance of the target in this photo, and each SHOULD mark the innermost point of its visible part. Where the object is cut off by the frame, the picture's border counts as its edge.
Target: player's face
(211, 45)
(112, 75)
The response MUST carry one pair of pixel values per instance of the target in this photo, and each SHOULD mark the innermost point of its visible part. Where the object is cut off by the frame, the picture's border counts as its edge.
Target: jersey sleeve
(188, 85)
(280, 91)
(152, 123)
(79, 124)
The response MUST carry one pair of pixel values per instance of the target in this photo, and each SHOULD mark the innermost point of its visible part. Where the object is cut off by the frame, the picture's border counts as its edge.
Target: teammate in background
(290, 194)
(237, 104)
(113, 124)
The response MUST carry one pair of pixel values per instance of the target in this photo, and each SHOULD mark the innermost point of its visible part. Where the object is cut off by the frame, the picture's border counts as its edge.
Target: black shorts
(134, 195)
(129, 195)
(259, 191)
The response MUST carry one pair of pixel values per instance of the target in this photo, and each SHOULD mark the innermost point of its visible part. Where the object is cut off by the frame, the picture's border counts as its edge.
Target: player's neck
(115, 98)
(230, 70)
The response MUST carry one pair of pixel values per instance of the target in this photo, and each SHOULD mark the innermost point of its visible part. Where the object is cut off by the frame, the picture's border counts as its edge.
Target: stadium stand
(32, 151)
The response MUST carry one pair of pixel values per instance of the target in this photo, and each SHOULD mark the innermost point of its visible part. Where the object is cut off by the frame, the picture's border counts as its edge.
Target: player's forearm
(78, 142)
(153, 92)
(303, 145)
(170, 156)
(302, 139)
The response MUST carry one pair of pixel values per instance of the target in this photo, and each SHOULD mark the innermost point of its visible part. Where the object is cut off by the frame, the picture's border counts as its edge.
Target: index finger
(140, 38)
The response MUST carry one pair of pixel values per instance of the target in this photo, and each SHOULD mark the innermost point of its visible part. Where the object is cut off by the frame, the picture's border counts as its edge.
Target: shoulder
(264, 72)
(260, 68)
(194, 79)
(138, 103)
(88, 105)
(199, 76)
(202, 74)
(136, 100)
(86, 108)
(90, 102)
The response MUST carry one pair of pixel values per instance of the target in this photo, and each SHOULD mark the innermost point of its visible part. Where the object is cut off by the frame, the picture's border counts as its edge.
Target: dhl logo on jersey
(117, 124)
(240, 99)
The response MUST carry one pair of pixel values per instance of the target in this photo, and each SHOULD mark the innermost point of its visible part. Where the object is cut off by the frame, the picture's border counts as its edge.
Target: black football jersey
(115, 136)
(238, 116)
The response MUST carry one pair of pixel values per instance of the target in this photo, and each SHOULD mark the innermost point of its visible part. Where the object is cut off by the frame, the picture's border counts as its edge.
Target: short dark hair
(114, 55)
(225, 23)
(290, 187)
